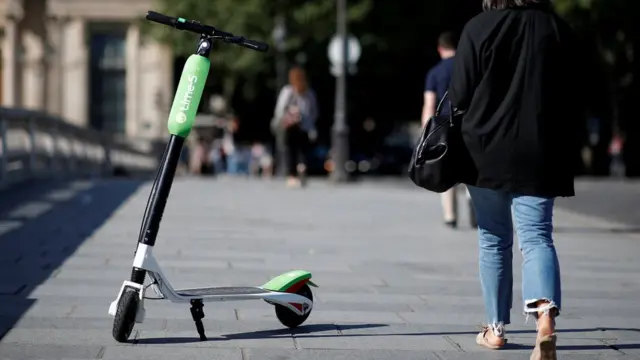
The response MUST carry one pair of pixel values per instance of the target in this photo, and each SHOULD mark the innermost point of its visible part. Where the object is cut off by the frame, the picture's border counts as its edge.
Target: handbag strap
(444, 98)
(441, 103)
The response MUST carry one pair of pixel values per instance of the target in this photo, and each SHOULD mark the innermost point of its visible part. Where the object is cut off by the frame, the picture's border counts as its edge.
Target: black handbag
(441, 159)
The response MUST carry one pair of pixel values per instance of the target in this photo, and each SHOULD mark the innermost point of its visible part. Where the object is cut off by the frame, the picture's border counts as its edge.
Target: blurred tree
(610, 26)
(306, 21)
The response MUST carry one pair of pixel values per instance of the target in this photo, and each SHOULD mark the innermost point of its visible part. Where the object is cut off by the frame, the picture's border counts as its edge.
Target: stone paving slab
(394, 283)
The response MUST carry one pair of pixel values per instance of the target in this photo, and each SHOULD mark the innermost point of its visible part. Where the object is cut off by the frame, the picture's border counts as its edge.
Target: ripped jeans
(540, 267)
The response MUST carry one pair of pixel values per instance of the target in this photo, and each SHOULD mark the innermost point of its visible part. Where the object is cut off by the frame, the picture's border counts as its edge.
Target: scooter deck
(222, 291)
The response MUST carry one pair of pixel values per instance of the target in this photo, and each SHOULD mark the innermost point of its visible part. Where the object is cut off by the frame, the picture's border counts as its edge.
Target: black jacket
(518, 75)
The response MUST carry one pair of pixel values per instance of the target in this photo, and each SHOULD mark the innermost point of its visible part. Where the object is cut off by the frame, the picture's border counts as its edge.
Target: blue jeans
(540, 267)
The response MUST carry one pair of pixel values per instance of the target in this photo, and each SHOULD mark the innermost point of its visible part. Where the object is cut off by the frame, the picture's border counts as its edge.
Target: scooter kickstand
(198, 314)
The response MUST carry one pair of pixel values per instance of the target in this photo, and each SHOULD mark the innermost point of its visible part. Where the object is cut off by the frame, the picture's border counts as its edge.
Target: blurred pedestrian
(200, 162)
(518, 75)
(261, 161)
(436, 85)
(294, 118)
(229, 145)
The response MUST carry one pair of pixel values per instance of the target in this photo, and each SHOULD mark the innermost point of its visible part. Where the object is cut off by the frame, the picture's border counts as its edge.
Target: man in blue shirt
(437, 81)
(436, 84)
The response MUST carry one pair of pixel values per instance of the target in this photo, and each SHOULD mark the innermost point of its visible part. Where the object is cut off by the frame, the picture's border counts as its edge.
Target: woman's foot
(293, 182)
(488, 338)
(546, 339)
(545, 348)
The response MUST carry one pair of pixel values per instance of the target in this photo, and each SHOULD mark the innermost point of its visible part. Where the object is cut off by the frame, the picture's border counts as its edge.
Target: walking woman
(517, 75)
(294, 123)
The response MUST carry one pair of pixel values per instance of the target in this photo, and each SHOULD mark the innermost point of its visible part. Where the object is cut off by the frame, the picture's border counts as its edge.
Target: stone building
(87, 62)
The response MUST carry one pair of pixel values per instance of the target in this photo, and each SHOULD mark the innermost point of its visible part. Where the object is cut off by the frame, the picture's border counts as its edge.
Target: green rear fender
(188, 96)
(284, 282)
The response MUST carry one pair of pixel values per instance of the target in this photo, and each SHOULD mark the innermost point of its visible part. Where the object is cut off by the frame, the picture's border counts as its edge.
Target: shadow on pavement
(337, 330)
(41, 225)
(265, 334)
(596, 230)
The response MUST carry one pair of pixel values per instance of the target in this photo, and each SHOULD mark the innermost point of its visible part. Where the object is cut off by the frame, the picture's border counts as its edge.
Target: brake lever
(242, 41)
(228, 38)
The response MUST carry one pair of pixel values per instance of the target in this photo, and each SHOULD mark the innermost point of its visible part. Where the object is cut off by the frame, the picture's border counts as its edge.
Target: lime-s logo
(188, 95)
(185, 103)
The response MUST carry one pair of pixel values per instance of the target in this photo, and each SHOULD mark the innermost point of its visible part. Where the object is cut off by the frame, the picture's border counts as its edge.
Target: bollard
(32, 146)
(4, 149)
(55, 166)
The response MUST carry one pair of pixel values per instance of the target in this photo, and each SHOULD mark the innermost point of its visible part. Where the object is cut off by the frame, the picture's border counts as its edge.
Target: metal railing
(37, 145)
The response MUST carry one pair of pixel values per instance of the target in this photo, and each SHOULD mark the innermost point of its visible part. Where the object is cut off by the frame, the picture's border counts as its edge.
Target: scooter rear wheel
(290, 319)
(125, 315)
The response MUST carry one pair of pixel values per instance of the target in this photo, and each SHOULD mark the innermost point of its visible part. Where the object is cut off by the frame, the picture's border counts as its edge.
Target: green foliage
(397, 37)
(307, 21)
(568, 6)
(611, 27)
(611, 24)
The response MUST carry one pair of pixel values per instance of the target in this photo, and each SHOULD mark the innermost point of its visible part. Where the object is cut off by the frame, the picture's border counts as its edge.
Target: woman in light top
(294, 123)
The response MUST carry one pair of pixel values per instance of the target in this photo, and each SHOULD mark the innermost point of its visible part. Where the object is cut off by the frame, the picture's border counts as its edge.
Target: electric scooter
(289, 293)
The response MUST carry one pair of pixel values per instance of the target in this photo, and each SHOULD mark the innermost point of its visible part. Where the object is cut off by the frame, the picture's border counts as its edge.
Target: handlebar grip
(162, 19)
(255, 45)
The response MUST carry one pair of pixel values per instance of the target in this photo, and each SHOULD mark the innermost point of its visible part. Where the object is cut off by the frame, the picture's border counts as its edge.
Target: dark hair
(505, 4)
(298, 79)
(448, 40)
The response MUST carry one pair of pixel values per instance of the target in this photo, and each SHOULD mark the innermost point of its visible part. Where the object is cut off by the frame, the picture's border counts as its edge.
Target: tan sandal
(545, 348)
(482, 340)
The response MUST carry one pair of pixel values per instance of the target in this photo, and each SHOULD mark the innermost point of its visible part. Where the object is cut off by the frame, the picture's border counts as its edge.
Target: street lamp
(344, 52)
(279, 35)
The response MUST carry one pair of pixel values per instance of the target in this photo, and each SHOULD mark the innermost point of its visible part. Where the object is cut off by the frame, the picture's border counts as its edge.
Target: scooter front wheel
(125, 315)
(290, 319)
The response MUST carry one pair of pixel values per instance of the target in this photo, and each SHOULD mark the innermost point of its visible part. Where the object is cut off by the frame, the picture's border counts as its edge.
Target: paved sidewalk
(612, 199)
(394, 283)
